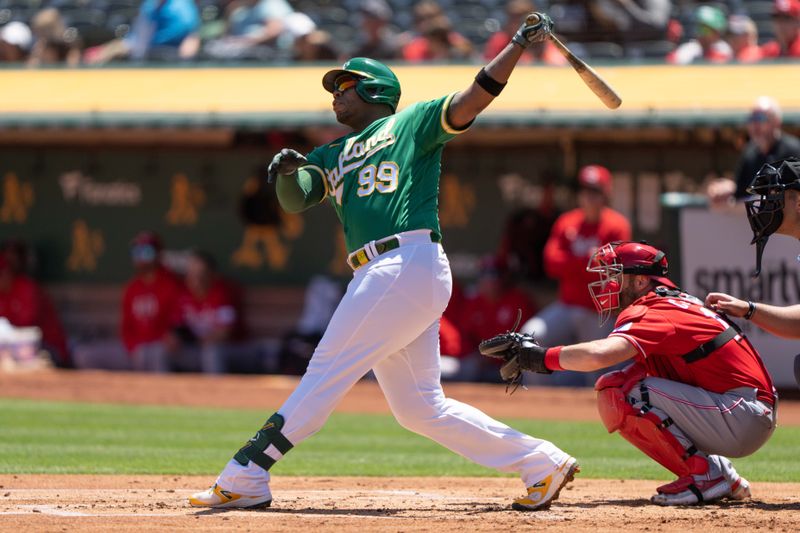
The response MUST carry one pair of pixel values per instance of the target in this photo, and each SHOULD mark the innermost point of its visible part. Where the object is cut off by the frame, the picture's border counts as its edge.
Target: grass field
(76, 438)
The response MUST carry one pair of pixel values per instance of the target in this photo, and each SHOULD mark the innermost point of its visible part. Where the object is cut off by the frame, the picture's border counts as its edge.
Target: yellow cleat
(218, 498)
(542, 494)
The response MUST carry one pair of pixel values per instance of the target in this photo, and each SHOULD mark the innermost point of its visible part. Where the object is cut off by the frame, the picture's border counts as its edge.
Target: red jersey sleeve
(556, 250)
(645, 328)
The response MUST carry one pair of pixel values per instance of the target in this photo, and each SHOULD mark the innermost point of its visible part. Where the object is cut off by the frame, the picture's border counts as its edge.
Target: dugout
(90, 156)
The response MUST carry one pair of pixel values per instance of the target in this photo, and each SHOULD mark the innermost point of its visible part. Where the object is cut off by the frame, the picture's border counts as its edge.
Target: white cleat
(219, 498)
(542, 494)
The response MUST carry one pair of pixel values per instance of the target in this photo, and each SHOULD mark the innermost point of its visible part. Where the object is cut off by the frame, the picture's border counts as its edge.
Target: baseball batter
(382, 179)
(696, 392)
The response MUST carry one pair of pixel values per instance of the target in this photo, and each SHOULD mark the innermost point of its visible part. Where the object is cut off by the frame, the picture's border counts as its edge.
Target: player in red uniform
(493, 307)
(205, 319)
(147, 305)
(25, 303)
(696, 392)
(575, 236)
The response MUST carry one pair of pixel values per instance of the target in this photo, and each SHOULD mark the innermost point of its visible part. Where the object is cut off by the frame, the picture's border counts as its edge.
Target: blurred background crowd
(92, 32)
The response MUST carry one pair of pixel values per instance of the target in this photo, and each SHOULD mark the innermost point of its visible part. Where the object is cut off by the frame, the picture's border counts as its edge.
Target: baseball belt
(373, 249)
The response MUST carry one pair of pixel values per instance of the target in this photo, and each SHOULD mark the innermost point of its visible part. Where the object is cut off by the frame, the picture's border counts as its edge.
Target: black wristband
(489, 84)
(750, 311)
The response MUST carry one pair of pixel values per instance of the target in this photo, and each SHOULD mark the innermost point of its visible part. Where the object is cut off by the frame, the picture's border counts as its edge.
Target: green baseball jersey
(385, 179)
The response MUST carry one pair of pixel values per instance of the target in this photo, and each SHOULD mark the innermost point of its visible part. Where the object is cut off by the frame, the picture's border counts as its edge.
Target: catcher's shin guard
(647, 432)
(256, 447)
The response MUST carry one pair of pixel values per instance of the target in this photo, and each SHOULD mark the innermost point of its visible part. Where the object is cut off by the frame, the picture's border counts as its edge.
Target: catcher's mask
(613, 260)
(765, 208)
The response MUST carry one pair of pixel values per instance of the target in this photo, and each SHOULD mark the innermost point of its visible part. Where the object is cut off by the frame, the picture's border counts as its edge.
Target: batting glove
(534, 32)
(285, 162)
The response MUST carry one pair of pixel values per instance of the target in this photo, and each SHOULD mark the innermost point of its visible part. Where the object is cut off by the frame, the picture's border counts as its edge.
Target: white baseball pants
(388, 321)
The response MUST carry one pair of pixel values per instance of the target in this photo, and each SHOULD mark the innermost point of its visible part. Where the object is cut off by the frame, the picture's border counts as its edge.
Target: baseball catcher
(696, 392)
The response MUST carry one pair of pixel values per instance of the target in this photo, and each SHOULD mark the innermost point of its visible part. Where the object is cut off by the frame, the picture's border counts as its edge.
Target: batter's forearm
(299, 191)
(467, 104)
(781, 321)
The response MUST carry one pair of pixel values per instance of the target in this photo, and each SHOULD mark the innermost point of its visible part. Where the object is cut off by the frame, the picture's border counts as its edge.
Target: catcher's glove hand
(285, 162)
(534, 29)
(520, 352)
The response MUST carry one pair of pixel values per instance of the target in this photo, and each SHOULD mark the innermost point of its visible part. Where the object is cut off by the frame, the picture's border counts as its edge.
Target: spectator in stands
(786, 17)
(575, 236)
(768, 143)
(434, 37)
(438, 43)
(254, 29)
(743, 39)
(624, 21)
(24, 303)
(544, 52)
(377, 39)
(708, 44)
(205, 322)
(163, 29)
(15, 42)
(310, 44)
(492, 307)
(53, 44)
(317, 45)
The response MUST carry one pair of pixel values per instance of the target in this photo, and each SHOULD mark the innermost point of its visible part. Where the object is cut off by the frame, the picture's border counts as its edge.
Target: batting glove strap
(533, 33)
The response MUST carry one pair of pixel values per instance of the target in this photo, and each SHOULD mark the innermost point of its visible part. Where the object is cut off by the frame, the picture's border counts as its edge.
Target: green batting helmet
(376, 84)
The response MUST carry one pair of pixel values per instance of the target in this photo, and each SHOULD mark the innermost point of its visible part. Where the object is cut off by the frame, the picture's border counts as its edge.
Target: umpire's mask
(765, 208)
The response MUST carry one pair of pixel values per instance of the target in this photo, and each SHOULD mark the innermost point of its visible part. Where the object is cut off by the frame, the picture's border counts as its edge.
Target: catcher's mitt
(520, 351)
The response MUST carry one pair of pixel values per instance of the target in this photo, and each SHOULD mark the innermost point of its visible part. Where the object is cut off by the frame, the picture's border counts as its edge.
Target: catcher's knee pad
(648, 432)
(256, 447)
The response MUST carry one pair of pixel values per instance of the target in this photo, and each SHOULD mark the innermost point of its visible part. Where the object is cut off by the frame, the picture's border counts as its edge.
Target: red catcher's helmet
(623, 257)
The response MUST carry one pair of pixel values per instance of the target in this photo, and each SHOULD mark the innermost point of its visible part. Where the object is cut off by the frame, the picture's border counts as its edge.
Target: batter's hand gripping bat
(592, 79)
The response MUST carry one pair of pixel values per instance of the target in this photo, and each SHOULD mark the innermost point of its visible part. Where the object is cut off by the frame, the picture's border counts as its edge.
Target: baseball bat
(592, 79)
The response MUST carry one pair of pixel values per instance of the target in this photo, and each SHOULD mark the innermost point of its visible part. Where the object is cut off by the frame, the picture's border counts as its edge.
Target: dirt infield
(157, 503)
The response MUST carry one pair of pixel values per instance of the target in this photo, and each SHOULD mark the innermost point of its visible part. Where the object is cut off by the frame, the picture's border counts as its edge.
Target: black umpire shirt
(753, 159)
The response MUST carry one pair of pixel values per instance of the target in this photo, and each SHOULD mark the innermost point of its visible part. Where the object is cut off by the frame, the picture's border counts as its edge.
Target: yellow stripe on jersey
(324, 180)
(445, 124)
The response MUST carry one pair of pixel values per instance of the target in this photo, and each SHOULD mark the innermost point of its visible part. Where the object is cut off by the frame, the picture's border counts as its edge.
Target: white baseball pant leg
(391, 303)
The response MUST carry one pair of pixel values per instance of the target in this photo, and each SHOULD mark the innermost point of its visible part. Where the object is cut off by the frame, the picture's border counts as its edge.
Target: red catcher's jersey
(664, 328)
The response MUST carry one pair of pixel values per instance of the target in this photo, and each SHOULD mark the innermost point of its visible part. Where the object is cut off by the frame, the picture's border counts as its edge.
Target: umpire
(774, 209)
(697, 389)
